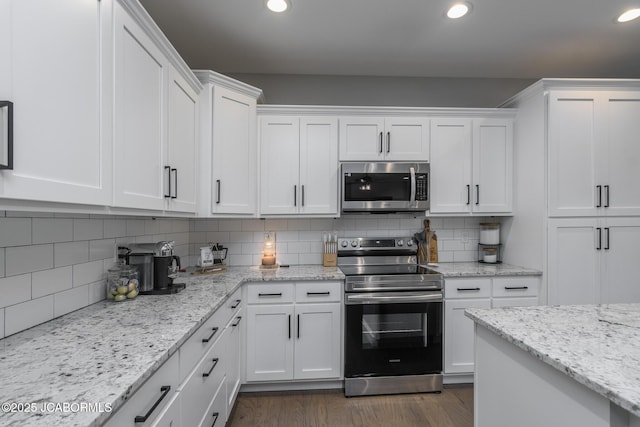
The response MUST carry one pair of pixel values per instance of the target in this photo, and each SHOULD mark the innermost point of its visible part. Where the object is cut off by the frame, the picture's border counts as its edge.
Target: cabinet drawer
(153, 391)
(318, 291)
(201, 341)
(270, 293)
(232, 304)
(467, 288)
(216, 415)
(200, 387)
(515, 286)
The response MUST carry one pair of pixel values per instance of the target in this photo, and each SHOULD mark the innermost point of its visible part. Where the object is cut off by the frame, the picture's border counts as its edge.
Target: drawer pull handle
(215, 362)
(510, 288)
(143, 418)
(215, 418)
(236, 303)
(310, 294)
(237, 322)
(278, 294)
(215, 330)
(468, 289)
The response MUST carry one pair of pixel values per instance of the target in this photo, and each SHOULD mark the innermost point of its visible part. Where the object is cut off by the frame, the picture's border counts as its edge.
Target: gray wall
(383, 91)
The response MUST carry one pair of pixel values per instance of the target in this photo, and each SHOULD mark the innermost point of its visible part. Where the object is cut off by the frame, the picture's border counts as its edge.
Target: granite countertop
(597, 345)
(478, 269)
(103, 353)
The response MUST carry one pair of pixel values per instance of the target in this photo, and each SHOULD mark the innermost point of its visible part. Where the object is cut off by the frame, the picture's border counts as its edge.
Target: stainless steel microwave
(378, 187)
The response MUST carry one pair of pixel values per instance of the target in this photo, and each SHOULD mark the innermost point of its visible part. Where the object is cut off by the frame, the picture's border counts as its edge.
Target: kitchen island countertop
(596, 345)
(103, 353)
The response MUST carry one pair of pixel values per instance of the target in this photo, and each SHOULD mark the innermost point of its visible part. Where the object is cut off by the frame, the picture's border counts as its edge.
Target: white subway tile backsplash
(135, 227)
(15, 231)
(2, 272)
(71, 300)
(52, 230)
(240, 260)
(218, 237)
(322, 224)
(51, 281)
(310, 258)
(97, 291)
(287, 236)
(298, 247)
(15, 289)
(70, 253)
(275, 224)
(26, 259)
(114, 228)
(291, 259)
(205, 225)
(179, 226)
(298, 224)
(88, 272)
(102, 249)
(27, 314)
(241, 236)
(251, 248)
(253, 225)
(230, 225)
(453, 223)
(88, 229)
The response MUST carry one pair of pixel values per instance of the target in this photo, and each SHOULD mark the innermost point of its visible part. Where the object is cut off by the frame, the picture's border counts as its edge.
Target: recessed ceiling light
(458, 10)
(629, 15)
(278, 5)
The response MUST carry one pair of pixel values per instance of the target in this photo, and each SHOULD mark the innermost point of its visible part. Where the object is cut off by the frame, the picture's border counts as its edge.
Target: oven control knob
(344, 244)
(400, 243)
(354, 243)
(409, 242)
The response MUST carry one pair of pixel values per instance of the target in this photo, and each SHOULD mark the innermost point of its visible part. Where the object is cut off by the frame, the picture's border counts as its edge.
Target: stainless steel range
(393, 325)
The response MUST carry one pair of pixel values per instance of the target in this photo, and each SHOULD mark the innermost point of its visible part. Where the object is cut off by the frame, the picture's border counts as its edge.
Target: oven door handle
(392, 297)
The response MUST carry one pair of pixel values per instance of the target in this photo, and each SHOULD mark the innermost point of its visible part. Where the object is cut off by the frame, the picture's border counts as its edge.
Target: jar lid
(490, 224)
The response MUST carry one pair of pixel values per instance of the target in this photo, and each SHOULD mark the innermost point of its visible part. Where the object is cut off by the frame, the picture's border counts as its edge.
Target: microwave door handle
(413, 184)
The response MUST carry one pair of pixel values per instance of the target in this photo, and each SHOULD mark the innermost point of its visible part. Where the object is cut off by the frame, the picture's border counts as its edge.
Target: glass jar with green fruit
(122, 283)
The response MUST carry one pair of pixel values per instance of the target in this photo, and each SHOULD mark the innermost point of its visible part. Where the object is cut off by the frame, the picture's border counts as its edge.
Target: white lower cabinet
(293, 331)
(155, 403)
(464, 293)
(461, 294)
(197, 386)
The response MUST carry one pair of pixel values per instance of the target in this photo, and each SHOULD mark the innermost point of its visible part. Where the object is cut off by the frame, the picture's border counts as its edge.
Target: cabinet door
(182, 144)
(319, 165)
(492, 165)
(406, 138)
(574, 262)
(573, 135)
(234, 153)
(141, 73)
(317, 344)
(620, 253)
(234, 349)
(361, 138)
(62, 141)
(459, 335)
(622, 147)
(270, 342)
(280, 192)
(450, 165)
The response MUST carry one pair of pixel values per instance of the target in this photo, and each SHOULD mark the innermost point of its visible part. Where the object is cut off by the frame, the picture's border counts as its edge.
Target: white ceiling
(500, 38)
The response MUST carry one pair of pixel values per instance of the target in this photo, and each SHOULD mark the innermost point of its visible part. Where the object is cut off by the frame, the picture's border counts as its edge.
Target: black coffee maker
(157, 266)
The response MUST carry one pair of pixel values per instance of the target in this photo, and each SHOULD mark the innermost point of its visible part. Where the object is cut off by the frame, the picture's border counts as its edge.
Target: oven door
(393, 333)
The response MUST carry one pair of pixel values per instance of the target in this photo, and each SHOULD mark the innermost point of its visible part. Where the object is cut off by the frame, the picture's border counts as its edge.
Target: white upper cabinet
(299, 165)
(593, 153)
(156, 127)
(384, 138)
(62, 142)
(227, 165)
(471, 165)
(141, 76)
(182, 145)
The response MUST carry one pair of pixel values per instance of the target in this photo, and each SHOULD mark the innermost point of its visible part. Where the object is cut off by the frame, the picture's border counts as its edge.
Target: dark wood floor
(453, 407)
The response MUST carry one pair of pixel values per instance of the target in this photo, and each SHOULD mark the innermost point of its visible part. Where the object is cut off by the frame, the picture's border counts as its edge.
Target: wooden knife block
(329, 260)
